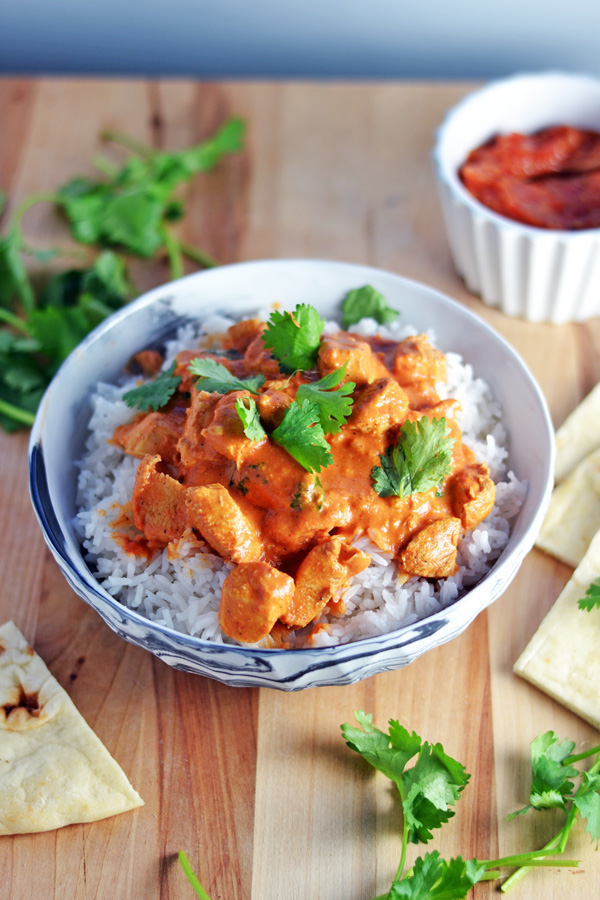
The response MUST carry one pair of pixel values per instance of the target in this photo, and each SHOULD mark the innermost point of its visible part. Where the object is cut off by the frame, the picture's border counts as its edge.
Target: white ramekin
(538, 274)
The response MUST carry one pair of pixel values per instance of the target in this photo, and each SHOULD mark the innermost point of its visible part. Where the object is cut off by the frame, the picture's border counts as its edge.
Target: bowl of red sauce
(518, 172)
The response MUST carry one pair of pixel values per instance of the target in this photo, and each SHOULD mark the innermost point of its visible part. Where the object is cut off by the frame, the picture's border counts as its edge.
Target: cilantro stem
(551, 846)
(185, 865)
(16, 413)
(198, 256)
(14, 321)
(131, 143)
(579, 756)
(105, 166)
(173, 248)
(518, 858)
(28, 202)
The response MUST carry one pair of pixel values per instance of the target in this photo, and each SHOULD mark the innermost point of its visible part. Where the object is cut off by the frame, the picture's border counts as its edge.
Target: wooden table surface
(257, 786)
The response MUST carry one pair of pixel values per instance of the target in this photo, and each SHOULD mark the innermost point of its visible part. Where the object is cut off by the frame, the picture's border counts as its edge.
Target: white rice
(181, 586)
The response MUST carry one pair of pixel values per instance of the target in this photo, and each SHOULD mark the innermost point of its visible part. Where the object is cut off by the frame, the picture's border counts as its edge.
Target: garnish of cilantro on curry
(288, 443)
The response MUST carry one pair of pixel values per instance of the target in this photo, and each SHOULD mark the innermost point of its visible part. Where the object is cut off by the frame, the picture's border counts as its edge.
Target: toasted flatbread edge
(562, 658)
(59, 773)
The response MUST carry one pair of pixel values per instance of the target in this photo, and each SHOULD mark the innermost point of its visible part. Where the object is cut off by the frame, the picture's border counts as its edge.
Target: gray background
(299, 38)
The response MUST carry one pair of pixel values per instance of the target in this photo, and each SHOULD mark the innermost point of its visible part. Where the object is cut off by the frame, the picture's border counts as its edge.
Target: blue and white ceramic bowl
(59, 433)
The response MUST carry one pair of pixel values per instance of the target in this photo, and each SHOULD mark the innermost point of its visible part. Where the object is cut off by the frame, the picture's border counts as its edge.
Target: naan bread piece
(54, 770)
(563, 658)
(578, 435)
(573, 515)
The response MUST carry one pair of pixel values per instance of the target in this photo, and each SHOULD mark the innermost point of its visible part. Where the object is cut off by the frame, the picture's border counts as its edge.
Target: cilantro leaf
(217, 378)
(428, 789)
(366, 303)
(588, 803)
(250, 418)
(334, 405)
(420, 460)
(300, 433)
(434, 878)
(14, 281)
(129, 208)
(388, 753)
(294, 338)
(431, 787)
(591, 598)
(174, 168)
(551, 780)
(154, 394)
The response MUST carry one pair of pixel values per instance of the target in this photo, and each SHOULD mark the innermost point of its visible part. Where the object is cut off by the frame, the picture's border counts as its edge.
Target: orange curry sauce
(550, 179)
(289, 532)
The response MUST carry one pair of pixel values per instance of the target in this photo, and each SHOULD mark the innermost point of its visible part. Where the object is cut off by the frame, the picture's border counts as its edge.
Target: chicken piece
(379, 407)
(253, 597)
(271, 477)
(258, 359)
(240, 336)
(213, 512)
(272, 405)
(472, 494)
(149, 361)
(192, 446)
(431, 553)
(416, 360)
(158, 503)
(363, 366)
(311, 518)
(155, 433)
(323, 572)
(225, 433)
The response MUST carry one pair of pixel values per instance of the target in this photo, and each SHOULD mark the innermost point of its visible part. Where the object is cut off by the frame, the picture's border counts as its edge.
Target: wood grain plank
(259, 787)
(16, 101)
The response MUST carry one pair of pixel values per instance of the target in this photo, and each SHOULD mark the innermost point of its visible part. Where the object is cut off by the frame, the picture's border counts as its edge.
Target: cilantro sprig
(250, 418)
(132, 206)
(154, 394)
(128, 208)
(301, 434)
(553, 786)
(428, 789)
(294, 338)
(366, 303)
(591, 598)
(420, 459)
(333, 402)
(215, 377)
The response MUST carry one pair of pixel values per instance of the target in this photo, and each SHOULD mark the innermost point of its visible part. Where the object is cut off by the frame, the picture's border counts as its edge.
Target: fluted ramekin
(538, 274)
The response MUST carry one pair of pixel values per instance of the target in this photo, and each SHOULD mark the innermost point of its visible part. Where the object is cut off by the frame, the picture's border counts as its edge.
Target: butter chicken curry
(221, 461)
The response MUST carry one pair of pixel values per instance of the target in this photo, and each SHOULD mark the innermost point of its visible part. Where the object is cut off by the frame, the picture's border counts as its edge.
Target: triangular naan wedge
(573, 515)
(563, 656)
(54, 770)
(578, 435)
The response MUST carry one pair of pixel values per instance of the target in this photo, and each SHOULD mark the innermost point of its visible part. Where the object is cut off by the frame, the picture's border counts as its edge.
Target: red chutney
(550, 179)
